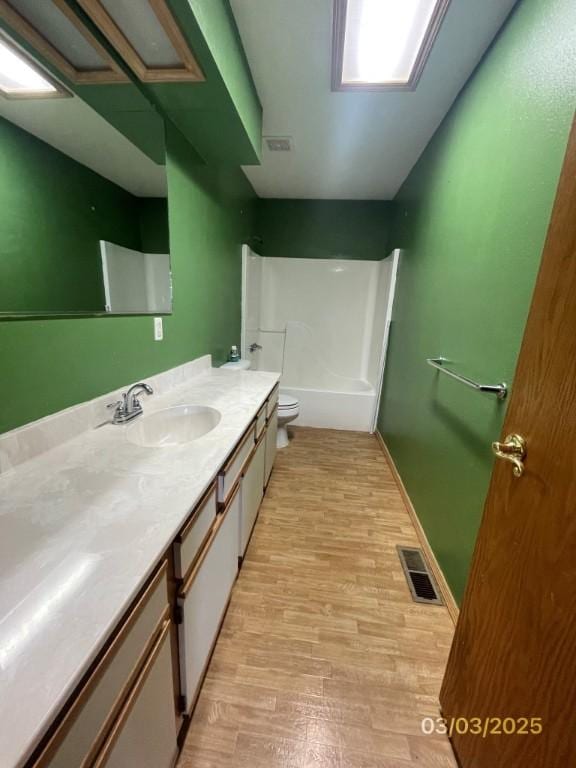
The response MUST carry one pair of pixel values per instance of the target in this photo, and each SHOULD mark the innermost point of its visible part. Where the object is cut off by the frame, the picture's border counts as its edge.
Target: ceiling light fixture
(148, 37)
(20, 78)
(383, 44)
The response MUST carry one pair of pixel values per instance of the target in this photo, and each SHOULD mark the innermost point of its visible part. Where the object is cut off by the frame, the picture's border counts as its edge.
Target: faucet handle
(119, 408)
(129, 406)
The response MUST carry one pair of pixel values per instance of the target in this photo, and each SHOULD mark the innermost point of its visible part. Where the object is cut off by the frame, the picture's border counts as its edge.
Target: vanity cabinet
(128, 709)
(118, 683)
(252, 492)
(144, 734)
(203, 598)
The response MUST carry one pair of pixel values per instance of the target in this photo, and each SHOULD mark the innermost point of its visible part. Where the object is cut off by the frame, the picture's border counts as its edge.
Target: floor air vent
(422, 585)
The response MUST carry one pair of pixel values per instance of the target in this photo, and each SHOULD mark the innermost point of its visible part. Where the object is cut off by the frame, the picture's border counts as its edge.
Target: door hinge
(178, 614)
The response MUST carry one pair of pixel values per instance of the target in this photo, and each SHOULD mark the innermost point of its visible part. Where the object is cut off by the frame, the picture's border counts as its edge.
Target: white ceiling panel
(349, 145)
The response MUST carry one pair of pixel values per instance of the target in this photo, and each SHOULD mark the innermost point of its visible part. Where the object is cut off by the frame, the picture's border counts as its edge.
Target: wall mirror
(83, 213)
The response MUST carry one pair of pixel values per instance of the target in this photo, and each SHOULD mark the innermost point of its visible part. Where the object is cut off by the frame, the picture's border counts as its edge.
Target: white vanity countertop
(81, 528)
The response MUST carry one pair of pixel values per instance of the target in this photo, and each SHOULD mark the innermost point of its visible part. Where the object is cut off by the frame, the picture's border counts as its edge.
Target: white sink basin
(173, 426)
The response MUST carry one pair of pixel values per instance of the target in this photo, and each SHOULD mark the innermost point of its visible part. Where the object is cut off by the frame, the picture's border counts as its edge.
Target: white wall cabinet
(252, 493)
(270, 451)
(203, 598)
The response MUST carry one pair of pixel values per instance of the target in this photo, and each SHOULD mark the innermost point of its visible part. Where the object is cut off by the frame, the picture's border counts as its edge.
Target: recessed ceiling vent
(420, 581)
(278, 143)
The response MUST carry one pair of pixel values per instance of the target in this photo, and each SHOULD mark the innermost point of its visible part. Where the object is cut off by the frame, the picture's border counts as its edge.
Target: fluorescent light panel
(148, 37)
(383, 40)
(18, 77)
(140, 25)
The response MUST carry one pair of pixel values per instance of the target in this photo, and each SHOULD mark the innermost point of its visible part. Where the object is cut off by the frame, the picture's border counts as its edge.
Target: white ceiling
(349, 145)
(78, 131)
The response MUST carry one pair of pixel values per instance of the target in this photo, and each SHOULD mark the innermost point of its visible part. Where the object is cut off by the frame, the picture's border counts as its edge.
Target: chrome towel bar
(500, 390)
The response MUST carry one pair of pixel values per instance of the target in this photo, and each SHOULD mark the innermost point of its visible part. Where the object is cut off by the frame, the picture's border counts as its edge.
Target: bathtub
(350, 405)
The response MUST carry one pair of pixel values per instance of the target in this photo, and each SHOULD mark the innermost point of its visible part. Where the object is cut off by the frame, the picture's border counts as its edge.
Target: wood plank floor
(323, 659)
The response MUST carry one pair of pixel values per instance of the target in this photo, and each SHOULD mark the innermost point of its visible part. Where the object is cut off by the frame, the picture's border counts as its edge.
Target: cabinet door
(204, 598)
(144, 734)
(271, 435)
(252, 492)
(81, 734)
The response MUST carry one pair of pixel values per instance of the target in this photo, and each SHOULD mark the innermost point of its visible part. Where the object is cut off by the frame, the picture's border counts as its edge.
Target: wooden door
(513, 661)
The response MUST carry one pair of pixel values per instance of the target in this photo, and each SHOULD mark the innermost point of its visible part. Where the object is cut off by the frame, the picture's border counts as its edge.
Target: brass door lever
(513, 449)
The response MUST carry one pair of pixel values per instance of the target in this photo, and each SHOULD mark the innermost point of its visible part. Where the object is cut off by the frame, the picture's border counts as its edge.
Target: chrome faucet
(130, 407)
(253, 347)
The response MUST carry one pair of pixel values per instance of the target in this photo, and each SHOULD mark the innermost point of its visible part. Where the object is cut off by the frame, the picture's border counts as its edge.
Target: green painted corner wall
(210, 216)
(218, 26)
(221, 116)
(323, 229)
(472, 219)
(50, 364)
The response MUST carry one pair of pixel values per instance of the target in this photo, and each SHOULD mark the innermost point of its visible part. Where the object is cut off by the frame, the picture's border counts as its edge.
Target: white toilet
(288, 405)
(288, 410)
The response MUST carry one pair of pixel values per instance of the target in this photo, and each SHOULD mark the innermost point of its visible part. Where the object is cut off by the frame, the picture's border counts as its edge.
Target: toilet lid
(287, 401)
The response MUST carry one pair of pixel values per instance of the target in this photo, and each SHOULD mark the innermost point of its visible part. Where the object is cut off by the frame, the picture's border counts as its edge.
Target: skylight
(19, 78)
(383, 44)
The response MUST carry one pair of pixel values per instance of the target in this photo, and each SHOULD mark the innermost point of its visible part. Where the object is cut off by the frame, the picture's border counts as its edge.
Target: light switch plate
(158, 329)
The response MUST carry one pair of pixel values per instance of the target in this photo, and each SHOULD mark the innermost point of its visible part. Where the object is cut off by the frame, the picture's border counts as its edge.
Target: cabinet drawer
(261, 420)
(204, 597)
(272, 401)
(252, 493)
(144, 733)
(230, 472)
(85, 726)
(271, 436)
(189, 542)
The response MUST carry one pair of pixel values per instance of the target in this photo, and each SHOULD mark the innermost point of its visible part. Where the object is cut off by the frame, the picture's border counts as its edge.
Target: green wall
(472, 218)
(153, 224)
(323, 229)
(53, 212)
(218, 26)
(220, 116)
(47, 365)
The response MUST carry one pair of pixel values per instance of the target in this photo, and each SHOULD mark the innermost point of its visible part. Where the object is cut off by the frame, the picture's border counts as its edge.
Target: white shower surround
(324, 324)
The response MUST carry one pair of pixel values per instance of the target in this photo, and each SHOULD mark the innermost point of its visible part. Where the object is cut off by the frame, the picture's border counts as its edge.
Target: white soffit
(78, 131)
